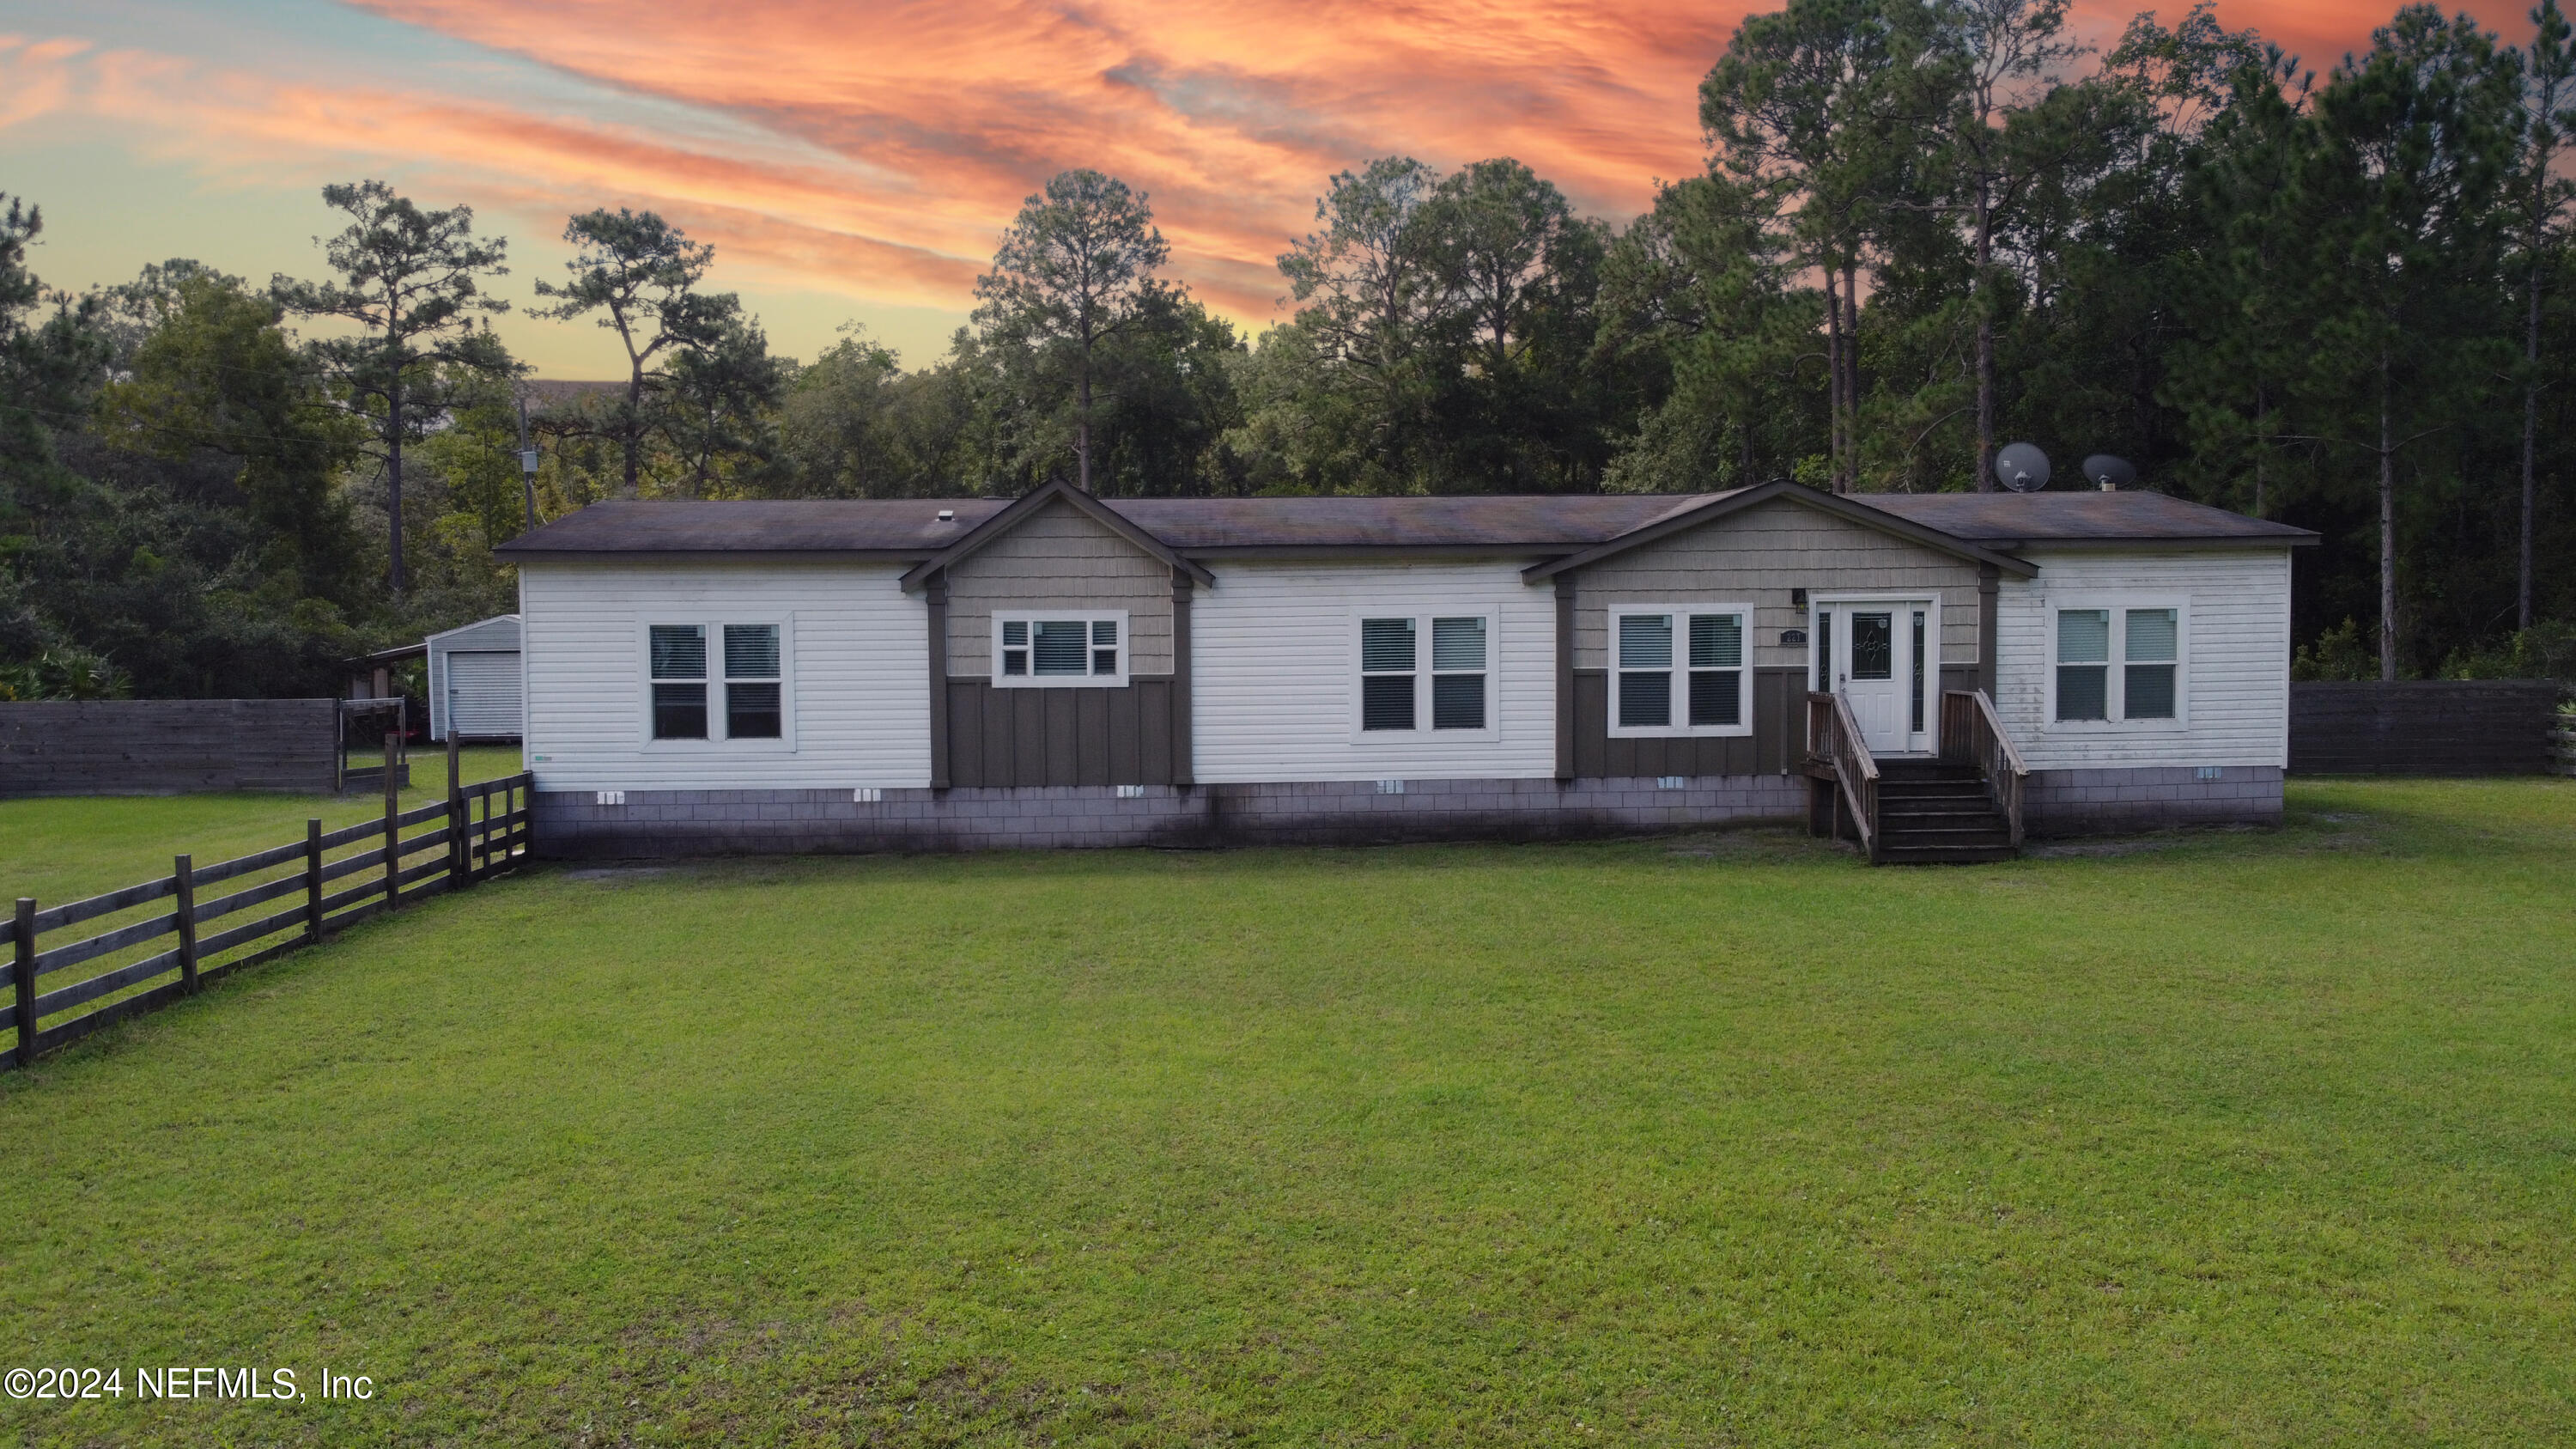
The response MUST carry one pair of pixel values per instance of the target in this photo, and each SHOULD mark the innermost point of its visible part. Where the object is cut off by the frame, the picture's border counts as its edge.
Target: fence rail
(483, 830)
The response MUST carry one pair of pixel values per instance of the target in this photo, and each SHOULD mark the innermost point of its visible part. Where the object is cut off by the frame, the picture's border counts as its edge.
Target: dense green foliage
(1923, 230)
(2232, 1138)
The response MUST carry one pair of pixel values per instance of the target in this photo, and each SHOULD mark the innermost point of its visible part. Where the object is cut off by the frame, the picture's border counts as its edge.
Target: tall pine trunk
(1834, 381)
(1985, 345)
(2387, 532)
(1851, 367)
(393, 483)
(2530, 440)
(633, 424)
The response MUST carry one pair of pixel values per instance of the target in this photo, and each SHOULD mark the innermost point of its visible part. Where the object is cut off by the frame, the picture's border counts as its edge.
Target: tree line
(1922, 231)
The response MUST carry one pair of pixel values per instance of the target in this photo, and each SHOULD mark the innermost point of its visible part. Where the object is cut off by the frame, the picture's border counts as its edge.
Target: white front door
(1880, 656)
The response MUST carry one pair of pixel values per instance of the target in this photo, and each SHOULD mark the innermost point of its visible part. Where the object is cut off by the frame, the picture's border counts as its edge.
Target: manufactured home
(1930, 674)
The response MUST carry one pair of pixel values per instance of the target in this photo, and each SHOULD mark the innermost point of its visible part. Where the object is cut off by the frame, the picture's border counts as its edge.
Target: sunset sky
(848, 161)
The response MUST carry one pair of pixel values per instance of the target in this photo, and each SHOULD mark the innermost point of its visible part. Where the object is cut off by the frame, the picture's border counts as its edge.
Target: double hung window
(679, 681)
(1059, 649)
(717, 681)
(1681, 670)
(1439, 665)
(751, 682)
(2117, 664)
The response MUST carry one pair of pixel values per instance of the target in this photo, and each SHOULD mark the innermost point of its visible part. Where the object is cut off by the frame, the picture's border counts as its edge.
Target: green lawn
(65, 850)
(2239, 1138)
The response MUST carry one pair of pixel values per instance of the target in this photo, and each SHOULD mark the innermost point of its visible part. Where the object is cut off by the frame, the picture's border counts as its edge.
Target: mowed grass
(2237, 1138)
(62, 850)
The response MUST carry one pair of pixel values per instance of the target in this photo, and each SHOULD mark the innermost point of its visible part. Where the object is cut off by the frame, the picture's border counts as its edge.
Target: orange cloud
(875, 152)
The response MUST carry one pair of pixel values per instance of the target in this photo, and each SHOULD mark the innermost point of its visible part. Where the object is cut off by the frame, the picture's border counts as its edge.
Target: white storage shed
(475, 685)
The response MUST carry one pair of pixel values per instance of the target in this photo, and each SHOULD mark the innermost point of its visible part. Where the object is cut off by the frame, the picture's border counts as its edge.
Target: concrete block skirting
(571, 824)
(2105, 802)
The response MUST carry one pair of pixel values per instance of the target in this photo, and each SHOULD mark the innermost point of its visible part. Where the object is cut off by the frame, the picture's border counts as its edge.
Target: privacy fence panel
(2425, 727)
(167, 746)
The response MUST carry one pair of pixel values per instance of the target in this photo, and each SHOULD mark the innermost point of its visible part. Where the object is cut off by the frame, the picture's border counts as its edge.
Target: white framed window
(718, 681)
(1424, 674)
(1059, 648)
(2117, 663)
(1681, 669)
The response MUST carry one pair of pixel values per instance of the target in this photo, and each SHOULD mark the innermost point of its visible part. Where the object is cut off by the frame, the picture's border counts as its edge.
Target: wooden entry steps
(1937, 812)
(1964, 808)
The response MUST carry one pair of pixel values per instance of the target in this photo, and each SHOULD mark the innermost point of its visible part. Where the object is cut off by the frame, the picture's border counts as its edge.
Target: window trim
(714, 625)
(2116, 683)
(1089, 616)
(1423, 629)
(1680, 671)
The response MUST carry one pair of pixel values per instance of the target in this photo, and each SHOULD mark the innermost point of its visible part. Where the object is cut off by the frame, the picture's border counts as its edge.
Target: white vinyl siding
(855, 656)
(2232, 673)
(1276, 674)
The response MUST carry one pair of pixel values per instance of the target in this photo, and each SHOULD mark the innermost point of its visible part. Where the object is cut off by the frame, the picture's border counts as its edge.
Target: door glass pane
(1716, 697)
(1915, 714)
(1717, 641)
(1386, 644)
(2150, 692)
(1059, 645)
(1646, 700)
(2082, 691)
(680, 652)
(2083, 636)
(751, 711)
(1457, 701)
(1386, 702)
(2152, 636)
(1458, 644)
(1646, 641)
(1873, 646)
(751, 651)
(1824, 637)
(679, 711)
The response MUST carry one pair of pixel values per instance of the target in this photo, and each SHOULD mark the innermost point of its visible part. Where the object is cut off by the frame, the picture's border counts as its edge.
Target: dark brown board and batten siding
(1067, 736)
(1776, 746)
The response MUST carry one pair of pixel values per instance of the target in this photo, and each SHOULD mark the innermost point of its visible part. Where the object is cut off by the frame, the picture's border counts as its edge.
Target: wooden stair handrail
(1830, 721)
(1973, 733)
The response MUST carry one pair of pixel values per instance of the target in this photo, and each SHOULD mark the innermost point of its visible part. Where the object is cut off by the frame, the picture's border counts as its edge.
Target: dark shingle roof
(1520, 520)
(2007, 519)
(911, 528)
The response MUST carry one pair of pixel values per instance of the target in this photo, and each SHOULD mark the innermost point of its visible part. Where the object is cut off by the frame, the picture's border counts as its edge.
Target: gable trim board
(1726, 505)
(1055, 491)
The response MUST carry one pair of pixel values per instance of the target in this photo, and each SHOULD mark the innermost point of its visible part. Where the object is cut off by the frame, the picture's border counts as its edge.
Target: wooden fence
(2425, 727)
(167, 746)
(481, 831)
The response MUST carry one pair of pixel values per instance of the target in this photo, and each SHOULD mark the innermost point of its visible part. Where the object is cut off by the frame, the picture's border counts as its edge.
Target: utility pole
(527, 461)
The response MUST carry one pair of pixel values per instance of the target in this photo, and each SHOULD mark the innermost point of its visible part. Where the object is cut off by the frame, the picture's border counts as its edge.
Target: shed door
(483, 693)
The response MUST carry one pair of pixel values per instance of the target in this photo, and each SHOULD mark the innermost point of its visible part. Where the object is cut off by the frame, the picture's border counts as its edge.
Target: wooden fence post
(455, 811)
(183, 875)
(26, 982)
(312, 881)
(393, 831)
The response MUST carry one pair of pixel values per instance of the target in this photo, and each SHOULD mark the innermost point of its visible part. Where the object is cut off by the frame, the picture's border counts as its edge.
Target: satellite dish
(2108, 473)
(2022, 468)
